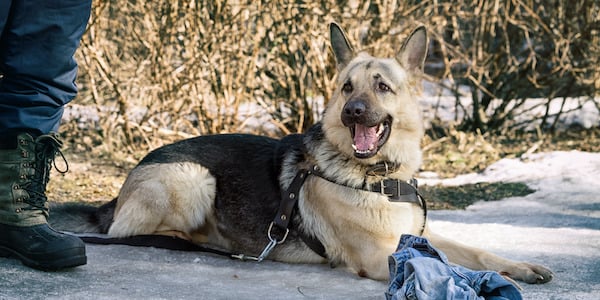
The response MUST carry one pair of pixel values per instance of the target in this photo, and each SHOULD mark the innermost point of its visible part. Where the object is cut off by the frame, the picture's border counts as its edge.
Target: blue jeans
(419, 271)
(38, 39)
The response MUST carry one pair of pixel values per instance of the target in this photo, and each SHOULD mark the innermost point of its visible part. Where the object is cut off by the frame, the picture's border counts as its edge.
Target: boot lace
(46, 149)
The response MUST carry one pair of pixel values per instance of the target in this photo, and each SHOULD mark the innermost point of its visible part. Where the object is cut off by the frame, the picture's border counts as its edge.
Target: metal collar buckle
(384, 187)
(389, 188)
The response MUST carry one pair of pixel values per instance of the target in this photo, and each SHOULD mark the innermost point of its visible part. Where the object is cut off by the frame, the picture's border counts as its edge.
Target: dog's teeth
(363, 151)
(359, 151)
(371, 148)
(380, 130)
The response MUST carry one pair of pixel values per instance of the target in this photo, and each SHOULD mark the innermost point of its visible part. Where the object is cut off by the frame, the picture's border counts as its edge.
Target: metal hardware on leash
(244, 257)
(272, 243)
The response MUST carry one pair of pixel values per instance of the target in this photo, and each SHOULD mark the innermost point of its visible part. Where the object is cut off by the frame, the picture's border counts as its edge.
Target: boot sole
(73, 259)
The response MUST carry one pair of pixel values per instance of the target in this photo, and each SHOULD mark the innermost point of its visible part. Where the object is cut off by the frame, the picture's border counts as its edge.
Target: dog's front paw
(530, 273)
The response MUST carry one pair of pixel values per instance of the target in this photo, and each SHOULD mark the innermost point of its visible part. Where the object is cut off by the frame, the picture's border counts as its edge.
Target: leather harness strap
(396, 191)
(289, 198)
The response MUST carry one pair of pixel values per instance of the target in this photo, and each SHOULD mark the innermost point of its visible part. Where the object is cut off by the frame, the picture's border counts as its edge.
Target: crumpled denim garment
(419, 271)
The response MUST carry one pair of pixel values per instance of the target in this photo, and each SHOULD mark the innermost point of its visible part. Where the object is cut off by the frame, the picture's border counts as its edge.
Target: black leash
(150, 240)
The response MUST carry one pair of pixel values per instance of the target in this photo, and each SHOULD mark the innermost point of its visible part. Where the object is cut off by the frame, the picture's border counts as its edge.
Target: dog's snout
(360, 111)
(355, 109)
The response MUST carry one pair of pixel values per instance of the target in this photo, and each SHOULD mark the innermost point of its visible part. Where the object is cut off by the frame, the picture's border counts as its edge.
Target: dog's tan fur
(358, 228)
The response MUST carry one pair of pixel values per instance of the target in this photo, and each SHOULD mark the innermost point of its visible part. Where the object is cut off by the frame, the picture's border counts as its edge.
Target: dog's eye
(383, 87)
(347, 87)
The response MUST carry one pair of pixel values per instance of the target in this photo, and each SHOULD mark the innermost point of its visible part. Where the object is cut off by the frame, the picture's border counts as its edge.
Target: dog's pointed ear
(414, 51)
(341, 47)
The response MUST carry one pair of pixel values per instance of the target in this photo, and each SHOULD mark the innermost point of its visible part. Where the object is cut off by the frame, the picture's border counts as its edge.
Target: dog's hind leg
(168, 199)
(478, 259)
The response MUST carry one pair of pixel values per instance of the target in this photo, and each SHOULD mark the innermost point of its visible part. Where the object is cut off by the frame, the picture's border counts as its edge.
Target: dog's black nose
(355, 109)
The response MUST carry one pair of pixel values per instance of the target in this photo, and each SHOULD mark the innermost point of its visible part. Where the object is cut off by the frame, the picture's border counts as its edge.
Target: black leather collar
(396, 190)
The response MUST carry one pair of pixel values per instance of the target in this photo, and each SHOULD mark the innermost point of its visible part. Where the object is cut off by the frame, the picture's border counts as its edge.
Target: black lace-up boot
(24, 231)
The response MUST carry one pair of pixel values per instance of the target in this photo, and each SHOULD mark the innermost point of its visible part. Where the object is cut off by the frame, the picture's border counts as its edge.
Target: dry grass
(459, 197)
(458, 152)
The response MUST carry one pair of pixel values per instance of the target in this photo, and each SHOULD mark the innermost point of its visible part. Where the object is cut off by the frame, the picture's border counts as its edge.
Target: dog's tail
(81, 217)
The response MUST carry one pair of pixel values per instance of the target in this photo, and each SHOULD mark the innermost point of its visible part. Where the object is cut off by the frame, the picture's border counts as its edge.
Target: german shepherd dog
(341, 193)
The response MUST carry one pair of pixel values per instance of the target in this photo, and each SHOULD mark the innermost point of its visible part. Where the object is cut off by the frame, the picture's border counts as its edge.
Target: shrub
(162, 70)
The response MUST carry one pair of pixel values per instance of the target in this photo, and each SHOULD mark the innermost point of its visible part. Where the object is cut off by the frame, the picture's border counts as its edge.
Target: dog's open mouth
(367, 140)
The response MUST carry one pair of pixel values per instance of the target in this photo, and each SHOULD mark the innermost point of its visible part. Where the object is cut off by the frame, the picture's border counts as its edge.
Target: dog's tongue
(365, 138)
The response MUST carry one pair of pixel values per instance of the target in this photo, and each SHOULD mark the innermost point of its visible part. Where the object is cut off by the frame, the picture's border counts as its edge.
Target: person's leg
(4, 9)
(37, 43)
(36, 60)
